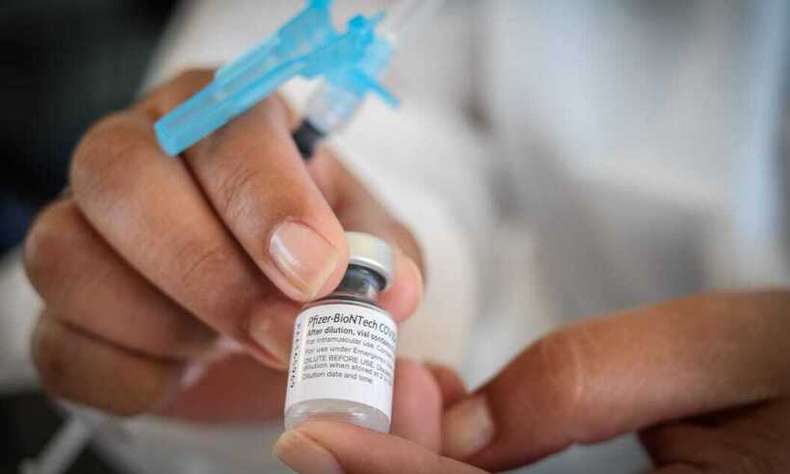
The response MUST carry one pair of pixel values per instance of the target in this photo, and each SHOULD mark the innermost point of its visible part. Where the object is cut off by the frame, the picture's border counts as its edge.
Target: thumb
(323, 447)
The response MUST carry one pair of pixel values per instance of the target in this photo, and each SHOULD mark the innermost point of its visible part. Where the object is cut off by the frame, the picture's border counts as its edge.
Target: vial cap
(371, 252)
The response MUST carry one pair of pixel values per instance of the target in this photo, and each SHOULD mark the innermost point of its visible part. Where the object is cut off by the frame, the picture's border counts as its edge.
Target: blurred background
(65, 64)
(555, 159)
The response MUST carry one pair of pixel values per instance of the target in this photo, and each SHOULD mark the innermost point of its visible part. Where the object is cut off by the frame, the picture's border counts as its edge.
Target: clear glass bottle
(343, 356)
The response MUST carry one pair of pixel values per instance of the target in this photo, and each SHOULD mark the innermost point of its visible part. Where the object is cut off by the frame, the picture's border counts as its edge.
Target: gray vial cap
(372, 253)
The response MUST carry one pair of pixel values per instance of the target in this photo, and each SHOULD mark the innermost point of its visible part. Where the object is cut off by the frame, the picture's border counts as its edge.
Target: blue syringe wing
(242, 83)
(306, 45)
(363, 64)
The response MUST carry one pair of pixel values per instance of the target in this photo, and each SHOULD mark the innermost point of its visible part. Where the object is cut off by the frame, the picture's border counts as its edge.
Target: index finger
(252, 174)
(151, 211)
(601, 378)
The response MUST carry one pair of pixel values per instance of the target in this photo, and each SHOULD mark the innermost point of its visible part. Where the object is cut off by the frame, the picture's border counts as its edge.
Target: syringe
(332, 106)
(307, 45)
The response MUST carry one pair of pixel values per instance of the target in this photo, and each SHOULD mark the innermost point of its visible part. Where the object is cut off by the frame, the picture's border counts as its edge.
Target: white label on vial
(343, 351)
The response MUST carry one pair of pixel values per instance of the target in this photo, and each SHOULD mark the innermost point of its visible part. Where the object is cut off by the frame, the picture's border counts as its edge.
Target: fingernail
(306, 259)
(276, 344)
(467, 428)
(304, 455)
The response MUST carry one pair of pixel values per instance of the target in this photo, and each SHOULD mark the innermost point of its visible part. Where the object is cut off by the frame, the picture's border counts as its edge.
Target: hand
(152, 258)
(704, 380)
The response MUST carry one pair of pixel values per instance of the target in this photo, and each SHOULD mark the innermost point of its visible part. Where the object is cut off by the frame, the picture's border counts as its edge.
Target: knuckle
(100, 164)
(562, 356)
(88, 154)
(49, 354)
(235, 191)
(199, 262)
(45, 247)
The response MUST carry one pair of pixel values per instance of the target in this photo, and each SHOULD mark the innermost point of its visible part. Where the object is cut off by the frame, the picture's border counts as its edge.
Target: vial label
(343, 351)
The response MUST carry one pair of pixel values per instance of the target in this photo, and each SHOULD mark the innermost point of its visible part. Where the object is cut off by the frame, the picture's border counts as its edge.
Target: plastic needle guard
(307, 45)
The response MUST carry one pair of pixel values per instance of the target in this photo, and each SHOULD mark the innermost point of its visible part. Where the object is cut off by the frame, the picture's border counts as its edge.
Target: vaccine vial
(343, 355)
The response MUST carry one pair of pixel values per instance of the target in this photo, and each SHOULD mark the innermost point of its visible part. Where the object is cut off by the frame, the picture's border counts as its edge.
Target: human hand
(150, 259)
(704, 380)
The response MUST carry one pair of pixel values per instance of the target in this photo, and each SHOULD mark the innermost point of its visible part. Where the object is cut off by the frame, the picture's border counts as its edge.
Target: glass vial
(343, 356)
